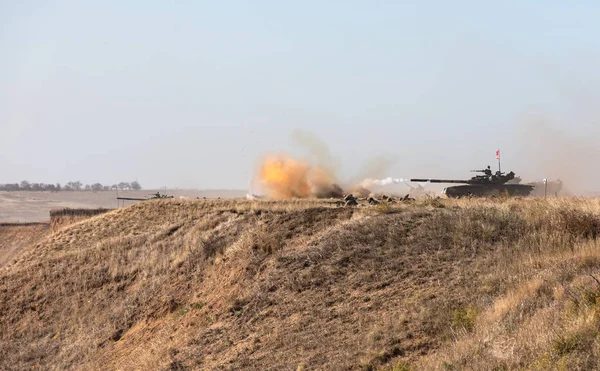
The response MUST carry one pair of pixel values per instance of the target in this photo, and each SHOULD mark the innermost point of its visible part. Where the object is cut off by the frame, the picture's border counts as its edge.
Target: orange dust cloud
(285, 178)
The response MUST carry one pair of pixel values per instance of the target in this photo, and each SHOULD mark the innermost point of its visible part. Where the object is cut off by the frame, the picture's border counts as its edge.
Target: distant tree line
(70, 186)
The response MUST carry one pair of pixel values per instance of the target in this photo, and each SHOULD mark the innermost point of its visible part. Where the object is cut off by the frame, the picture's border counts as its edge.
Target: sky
(191, 94)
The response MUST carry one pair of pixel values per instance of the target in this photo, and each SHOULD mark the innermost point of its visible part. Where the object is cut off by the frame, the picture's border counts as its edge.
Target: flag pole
(498, 155)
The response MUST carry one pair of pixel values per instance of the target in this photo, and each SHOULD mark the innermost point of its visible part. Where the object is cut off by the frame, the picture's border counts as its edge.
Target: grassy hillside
(60, 218)
(199, 284)
(14, 237)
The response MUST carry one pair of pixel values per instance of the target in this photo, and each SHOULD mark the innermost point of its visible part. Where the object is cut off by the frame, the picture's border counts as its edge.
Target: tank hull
(479, 190)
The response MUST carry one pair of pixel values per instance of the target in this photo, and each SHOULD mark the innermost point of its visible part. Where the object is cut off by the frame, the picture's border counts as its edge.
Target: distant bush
(70, 186)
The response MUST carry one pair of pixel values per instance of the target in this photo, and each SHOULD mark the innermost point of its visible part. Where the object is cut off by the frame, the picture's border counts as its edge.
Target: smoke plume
(375, 168)
(367, 183)
(284, 177)
(318, 151)
(552, 153)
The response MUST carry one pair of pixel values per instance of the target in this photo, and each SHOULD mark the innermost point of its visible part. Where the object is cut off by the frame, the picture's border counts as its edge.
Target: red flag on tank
(498, 155)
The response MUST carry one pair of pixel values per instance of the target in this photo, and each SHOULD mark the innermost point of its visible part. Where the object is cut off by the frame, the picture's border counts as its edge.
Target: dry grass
(60, 218)
(235, 284)
(16, 237)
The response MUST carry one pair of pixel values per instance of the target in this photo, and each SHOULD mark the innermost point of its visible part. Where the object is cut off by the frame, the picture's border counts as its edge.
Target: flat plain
(31, 206)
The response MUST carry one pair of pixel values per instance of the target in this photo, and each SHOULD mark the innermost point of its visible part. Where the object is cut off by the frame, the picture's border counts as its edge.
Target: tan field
(299, 285)
(29, 206)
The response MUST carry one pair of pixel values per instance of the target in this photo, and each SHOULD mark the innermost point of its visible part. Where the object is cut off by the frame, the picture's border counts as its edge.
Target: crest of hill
(231, 284)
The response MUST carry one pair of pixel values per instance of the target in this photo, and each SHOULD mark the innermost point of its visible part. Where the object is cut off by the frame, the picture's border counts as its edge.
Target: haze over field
(193, 94)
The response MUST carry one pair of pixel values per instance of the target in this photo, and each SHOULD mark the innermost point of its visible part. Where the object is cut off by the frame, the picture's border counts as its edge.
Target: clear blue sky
(191, 93)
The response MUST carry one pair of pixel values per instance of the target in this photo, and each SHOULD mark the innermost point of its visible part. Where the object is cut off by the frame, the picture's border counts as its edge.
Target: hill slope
(15, 237)
(172, 284)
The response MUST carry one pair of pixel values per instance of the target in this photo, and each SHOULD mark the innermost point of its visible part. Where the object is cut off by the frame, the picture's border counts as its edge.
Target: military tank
(158, 195)
(488, 184)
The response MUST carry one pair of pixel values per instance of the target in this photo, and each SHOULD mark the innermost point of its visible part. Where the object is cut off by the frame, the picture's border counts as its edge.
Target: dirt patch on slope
(15, 237)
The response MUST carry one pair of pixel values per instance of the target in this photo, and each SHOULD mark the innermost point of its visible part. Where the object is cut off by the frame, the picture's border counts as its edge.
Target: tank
(488, 184)
(158, 195)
